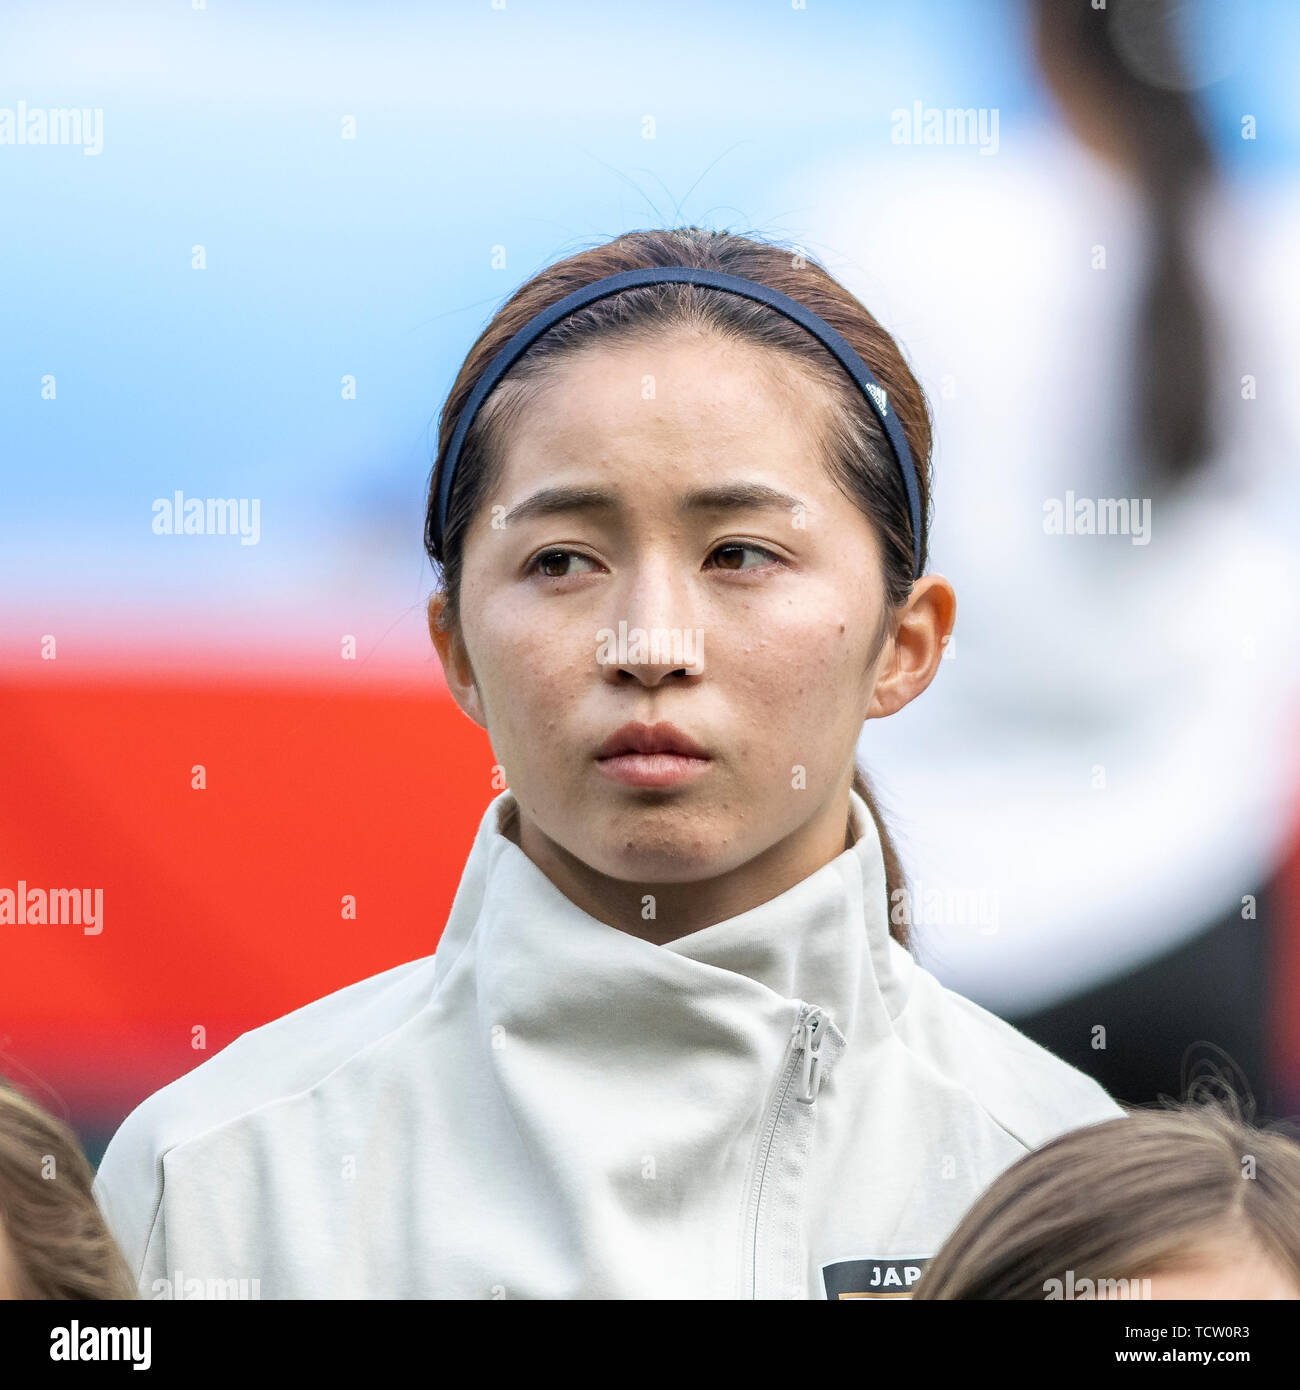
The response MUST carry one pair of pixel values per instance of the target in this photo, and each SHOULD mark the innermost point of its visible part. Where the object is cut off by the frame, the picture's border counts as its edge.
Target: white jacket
(781, 1105)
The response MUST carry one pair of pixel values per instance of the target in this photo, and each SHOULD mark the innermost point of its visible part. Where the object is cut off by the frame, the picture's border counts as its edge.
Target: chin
(664, 844)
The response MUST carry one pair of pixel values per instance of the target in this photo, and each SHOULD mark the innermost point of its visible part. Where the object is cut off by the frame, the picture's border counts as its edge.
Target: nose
(649, 636)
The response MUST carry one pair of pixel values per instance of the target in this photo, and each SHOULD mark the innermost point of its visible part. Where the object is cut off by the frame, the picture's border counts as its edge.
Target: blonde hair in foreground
(1123, 1200)
(54, 1243)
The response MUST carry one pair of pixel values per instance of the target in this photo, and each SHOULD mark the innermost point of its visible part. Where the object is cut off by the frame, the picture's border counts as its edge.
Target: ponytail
(1126, 66)
(895, 882)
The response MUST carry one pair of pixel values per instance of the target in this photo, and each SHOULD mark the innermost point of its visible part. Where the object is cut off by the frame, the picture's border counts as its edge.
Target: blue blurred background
(368, 182)
(476, 128)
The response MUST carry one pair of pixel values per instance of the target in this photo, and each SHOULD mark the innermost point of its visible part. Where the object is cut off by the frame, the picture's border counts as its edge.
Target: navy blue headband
(691, 275)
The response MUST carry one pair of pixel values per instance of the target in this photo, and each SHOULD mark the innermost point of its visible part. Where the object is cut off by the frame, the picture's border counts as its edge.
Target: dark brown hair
(852, 442)
(1092, 56)
(1123, 1200)
(54, 1242)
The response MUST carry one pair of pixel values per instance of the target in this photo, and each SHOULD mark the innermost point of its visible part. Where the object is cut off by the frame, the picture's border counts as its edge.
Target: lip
(651, 755)
(650, 738)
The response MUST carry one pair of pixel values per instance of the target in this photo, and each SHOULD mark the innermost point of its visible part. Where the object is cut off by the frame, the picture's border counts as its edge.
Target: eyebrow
(728, 497)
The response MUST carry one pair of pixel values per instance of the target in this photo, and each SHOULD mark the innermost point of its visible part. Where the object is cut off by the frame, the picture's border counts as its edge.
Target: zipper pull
(814, 1029)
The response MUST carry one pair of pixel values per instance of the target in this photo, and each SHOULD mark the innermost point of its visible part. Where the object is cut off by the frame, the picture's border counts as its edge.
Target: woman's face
(709, 523)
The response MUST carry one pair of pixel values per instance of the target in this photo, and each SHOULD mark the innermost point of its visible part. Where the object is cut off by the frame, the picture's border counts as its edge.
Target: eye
(550, 561)
(737, 548)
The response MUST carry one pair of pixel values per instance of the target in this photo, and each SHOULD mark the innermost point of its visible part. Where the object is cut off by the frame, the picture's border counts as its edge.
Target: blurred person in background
(54, 1242)
(1095, 803)
(1191, 1201)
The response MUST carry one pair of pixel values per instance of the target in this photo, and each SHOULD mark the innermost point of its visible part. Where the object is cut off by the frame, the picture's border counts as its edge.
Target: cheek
(800, 665)
(530, 670)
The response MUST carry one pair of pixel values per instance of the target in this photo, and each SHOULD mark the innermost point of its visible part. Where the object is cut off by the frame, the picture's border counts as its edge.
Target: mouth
(651, 755)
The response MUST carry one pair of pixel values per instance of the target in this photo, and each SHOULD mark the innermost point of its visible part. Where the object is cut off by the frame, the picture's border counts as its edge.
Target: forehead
(686, 396)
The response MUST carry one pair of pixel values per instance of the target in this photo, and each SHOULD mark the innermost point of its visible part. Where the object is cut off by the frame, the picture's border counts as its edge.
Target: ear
(456, 666)
(911, 658)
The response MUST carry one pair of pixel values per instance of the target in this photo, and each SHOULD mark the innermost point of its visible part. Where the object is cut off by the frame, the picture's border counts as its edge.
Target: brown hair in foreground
(1127, 1199)
(54, 1242)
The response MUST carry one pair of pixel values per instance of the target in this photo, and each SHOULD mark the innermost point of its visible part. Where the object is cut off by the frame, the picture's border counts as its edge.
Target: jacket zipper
(805, 1047)
(809, 1043)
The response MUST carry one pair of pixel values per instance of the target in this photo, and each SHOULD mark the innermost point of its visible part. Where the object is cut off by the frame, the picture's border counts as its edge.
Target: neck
(681, 908)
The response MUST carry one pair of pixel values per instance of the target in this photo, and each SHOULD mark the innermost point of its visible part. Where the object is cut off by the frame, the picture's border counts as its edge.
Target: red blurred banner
(222, 907)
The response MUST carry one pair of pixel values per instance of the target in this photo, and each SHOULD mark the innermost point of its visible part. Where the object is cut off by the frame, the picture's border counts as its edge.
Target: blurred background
(250, 269)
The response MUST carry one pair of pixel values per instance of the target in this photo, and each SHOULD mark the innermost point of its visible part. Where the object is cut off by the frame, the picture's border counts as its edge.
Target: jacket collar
(538, 958)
